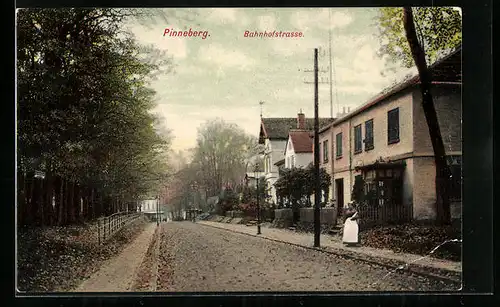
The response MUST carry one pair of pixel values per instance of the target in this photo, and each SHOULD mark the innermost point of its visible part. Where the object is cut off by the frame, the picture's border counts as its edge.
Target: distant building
(148, 205)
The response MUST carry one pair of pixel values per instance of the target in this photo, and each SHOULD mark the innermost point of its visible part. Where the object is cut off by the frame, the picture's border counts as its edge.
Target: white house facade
(148, 205)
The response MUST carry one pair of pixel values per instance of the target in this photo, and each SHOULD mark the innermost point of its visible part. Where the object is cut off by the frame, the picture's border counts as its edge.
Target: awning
(381, 165)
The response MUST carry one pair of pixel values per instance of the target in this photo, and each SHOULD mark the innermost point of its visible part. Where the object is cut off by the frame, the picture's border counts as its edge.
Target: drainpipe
(332, 134)
(350, 156)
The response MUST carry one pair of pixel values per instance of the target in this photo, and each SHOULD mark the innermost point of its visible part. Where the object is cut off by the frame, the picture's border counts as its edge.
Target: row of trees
(223, 154)
(84, 120)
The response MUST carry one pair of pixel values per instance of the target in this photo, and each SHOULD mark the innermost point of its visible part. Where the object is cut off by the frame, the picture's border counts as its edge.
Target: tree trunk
(57, 196)
(35, 201)
(442, 170)
(71, 202)
(84, 195)
(47, 199)
(92, 202)
(21, 197)
(41, 202)
(77, 202)
(61, 218)
(30, 182)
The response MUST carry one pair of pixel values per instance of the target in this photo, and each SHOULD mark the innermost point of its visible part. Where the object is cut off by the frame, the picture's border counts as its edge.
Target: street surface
(202, 258)
(190, 257)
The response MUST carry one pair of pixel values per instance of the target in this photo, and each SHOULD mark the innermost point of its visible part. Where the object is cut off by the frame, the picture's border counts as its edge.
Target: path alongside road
(118, 273)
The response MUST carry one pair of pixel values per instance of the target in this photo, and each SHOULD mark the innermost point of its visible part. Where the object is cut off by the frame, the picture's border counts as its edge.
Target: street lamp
(257, 194)
(194, 207)
(157, 210)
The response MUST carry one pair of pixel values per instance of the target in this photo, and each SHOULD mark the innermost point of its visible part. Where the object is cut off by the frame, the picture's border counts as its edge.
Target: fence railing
(380, 215)
(107, 226)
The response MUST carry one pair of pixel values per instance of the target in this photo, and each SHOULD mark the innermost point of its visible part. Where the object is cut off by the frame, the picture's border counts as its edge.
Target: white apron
(351, 230)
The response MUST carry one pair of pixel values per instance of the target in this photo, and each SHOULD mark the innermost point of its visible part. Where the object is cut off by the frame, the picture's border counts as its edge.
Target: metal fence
(107, 226)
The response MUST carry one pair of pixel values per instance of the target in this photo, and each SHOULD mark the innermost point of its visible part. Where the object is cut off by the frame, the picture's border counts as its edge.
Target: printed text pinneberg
(273, 34)
(188, 33)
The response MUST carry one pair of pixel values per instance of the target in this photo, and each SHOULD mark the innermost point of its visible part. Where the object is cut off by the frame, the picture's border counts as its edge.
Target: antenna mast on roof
(333, 75)
(330, 56)
(261, 103)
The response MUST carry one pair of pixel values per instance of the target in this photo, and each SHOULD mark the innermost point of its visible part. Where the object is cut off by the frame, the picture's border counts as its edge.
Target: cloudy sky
(226, 74)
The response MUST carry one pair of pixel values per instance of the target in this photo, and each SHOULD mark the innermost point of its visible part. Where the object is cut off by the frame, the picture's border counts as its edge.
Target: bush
(248, 209)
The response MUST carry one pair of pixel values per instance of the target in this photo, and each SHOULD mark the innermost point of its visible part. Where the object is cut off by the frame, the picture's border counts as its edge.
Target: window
(369, 135)
(393, 126)
(293, 161)
(338, 141)
(325, 151)
(358, 144)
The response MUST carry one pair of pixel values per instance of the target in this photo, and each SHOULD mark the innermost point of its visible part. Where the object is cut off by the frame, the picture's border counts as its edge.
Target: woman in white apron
(351, 230)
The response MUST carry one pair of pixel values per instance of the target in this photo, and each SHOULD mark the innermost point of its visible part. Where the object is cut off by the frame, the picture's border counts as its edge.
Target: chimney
(348, 109)
(301, 120)
(343, 110)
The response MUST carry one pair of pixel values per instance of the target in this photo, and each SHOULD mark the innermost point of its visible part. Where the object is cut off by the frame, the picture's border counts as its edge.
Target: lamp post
(157, 210)
(257, 195)
(194, 186)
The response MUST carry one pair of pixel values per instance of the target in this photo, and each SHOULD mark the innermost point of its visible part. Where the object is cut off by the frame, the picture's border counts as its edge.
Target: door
(339, 188)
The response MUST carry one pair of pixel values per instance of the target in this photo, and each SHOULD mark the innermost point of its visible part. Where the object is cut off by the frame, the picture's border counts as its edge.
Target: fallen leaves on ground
(144, 276)
(60, 258)
(415, 239)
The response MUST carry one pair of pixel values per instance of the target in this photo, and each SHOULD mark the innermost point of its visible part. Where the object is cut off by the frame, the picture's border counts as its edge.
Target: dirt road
(194, 257)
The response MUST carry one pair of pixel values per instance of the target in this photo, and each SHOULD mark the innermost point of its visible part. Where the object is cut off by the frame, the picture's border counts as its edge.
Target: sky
(226, 74)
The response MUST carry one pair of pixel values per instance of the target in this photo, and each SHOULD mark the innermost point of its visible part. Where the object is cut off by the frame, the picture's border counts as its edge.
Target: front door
(339, 188)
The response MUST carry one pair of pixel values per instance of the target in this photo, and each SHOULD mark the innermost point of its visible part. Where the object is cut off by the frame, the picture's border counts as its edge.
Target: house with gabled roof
(299, 149)
(274, 135)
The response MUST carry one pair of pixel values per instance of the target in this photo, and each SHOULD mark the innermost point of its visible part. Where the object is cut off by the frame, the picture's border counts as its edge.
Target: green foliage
(296, 185)
(229, 199)
(439, 30)
(84, 102)
(249, 193)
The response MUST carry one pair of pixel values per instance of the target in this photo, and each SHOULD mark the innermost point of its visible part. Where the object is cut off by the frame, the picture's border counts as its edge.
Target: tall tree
(439, 31)
(220, 154)
(419, 39)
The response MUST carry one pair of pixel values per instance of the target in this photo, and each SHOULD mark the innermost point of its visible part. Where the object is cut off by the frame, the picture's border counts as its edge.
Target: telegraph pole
(322, 80)
(317, 194)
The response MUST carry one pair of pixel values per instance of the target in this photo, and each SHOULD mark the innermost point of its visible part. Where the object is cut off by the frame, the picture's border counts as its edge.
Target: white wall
(274, 152)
